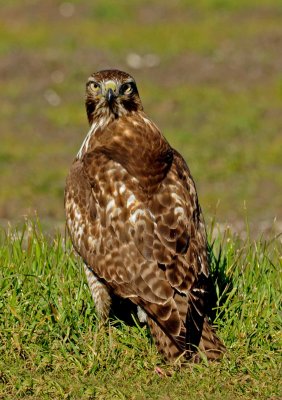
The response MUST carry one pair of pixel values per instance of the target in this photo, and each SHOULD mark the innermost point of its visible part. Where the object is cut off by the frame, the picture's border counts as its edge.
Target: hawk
(133, 216)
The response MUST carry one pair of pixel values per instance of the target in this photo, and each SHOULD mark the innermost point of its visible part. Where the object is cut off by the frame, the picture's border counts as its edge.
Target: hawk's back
(134, 217)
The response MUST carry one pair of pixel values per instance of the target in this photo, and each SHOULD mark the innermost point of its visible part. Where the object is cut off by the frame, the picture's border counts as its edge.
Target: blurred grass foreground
(208, 72)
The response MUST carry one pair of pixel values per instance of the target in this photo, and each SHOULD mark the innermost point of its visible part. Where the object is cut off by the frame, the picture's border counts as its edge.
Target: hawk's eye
(126, 88)
(94, 85)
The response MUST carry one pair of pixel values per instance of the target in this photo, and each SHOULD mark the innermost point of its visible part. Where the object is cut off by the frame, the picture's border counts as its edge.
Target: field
(51, 346)
(209, 73)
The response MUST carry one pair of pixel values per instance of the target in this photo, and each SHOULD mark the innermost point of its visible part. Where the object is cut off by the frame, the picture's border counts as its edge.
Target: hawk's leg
(141, 314)
(100, 294)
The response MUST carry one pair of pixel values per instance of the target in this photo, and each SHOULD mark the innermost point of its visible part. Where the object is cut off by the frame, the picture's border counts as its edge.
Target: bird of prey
(133, 216)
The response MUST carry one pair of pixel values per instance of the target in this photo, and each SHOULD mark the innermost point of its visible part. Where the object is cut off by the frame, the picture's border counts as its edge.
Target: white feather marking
(133, 217)
(77, 214)
(80, 230)
(122, 189)
(199, 290)
(142, 316)
(131, 199)
(91, 241)
(110, 205)
(179, 210)
(84, 147)
(101, 122)
(175, 197)
(85, 142)
(146, 120)
(116, 212)
(151, 215)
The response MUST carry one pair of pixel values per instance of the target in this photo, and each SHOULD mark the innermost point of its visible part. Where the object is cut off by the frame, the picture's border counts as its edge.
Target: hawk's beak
(110, 88)
(110, 96)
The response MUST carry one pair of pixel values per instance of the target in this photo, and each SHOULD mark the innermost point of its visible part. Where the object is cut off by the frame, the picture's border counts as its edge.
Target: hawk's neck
(133, 141)
(97, 125)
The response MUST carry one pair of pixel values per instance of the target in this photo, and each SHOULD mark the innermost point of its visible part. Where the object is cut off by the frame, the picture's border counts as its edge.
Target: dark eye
(126, 88)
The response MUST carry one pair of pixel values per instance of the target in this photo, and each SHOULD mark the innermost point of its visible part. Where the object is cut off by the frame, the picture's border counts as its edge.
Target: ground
(51, 345)
(209, 74)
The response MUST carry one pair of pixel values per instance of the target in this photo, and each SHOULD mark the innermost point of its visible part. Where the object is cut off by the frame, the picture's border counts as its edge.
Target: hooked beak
(110, 97)
(110, 92)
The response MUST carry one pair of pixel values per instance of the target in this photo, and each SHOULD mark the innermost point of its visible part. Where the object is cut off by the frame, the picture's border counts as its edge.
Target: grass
(216, 94)
(51, 347)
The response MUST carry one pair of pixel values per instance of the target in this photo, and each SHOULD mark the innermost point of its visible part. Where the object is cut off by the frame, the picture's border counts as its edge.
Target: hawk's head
(111, 93)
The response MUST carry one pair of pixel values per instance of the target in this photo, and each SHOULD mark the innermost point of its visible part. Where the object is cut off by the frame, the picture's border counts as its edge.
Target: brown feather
(134, 218)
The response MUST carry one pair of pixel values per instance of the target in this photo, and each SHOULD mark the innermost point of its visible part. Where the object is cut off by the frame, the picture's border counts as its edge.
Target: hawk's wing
(140, 229)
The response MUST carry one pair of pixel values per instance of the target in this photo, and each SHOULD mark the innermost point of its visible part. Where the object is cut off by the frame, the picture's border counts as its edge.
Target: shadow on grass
(221, 283)
(123, 311)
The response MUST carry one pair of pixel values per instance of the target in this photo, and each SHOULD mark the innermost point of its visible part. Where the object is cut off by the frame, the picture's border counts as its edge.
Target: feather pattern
(133, 216)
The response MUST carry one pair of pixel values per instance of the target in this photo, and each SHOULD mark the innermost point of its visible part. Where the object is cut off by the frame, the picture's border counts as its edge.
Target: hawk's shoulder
(136, 144)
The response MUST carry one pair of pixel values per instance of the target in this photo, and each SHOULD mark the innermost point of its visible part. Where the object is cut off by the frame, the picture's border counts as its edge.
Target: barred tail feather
(165, 345)
(210, 344)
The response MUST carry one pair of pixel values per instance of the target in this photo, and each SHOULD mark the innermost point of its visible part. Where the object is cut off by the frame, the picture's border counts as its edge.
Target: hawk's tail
(165, 345)
(210, 344)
